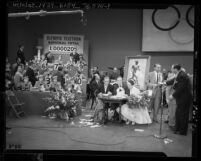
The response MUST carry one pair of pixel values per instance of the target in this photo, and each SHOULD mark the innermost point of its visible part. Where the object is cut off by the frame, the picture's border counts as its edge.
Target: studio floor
(37, 132)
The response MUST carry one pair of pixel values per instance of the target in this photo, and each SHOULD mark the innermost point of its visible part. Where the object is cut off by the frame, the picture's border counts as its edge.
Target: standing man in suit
(20, 54)
(153, 83)
(183, 95)
(94, 87)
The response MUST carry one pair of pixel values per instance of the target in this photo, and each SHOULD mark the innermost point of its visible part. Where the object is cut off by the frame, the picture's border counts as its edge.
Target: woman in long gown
(135, 115)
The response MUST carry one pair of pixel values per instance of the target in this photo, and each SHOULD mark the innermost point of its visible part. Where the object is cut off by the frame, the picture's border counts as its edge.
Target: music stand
(160, 135)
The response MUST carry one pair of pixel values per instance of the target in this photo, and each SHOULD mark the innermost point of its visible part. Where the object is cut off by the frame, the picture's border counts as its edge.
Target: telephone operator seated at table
(106, 89)
(131, 113)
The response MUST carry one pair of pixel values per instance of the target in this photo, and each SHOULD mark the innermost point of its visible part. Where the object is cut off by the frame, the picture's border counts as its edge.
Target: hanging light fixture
(27, 14)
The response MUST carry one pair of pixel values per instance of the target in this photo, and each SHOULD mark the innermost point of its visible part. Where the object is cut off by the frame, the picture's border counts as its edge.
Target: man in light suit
(153, 83)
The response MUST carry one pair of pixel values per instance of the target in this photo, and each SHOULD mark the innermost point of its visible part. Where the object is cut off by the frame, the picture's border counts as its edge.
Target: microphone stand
(160, 135)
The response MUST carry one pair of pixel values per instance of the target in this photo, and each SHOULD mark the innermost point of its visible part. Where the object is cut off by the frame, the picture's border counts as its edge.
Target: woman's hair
(131, 81)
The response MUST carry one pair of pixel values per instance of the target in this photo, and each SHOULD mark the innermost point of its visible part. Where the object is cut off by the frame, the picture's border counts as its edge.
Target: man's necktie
(157, 78)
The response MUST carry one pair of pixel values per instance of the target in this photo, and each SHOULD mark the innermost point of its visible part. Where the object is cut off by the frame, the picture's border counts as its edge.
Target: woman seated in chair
(26, 85)
(40, 84)
(132, 114)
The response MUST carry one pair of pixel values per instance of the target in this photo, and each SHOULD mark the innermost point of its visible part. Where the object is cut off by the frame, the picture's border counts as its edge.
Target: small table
(110, 100)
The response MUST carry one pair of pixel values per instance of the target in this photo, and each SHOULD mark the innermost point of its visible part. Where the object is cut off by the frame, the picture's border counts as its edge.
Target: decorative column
(39, 51)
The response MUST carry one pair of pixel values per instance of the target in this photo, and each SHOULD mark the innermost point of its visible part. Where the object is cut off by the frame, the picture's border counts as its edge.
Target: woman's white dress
(137, 115)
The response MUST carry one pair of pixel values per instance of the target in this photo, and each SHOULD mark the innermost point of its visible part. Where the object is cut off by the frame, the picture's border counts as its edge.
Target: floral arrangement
(65, 105)
(139, 101)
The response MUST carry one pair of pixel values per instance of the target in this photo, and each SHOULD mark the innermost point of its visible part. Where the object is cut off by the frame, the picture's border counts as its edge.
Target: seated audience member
(54, 84)
(114, 74)
(60, 75)
(102, 75)
(18, 78)
(67, 78)
(8, 76)
(49, 57)
(105, 89)
(31, 74)
(15, 65)
(26, 85)
(40, 83)
(82, 62)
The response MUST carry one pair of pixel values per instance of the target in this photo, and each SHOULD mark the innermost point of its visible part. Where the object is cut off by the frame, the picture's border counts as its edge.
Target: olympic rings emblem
(176, 22)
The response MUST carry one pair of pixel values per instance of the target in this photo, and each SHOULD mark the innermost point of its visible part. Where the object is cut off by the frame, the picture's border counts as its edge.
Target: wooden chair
(15, 104)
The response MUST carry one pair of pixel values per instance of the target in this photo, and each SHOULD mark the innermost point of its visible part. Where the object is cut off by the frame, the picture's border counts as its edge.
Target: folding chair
(15, 104)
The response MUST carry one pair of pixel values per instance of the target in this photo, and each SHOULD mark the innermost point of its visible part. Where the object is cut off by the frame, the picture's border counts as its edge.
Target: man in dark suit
(94, 88)
(31, 74)
(106, 87)
(183, 96)
(118, 84)
(20, 54)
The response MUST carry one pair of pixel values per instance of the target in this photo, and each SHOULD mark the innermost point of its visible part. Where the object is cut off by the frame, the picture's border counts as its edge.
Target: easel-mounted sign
(137, 68)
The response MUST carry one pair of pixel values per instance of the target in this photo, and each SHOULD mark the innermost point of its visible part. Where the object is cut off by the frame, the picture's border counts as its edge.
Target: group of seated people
(38, 74)
(106, 87)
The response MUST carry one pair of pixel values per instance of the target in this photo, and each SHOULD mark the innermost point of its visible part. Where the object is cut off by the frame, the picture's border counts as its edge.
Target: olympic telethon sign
(63, 44)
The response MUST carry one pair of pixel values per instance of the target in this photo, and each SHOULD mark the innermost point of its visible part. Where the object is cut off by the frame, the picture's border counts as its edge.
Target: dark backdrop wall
(112, 35)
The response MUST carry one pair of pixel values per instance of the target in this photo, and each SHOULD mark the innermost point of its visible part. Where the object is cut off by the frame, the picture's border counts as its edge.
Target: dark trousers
(182, 117)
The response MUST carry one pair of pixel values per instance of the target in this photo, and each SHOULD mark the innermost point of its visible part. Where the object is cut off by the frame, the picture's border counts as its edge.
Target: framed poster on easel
(136, 68)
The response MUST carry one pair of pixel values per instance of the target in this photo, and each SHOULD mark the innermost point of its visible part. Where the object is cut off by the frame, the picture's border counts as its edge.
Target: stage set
(90, 84)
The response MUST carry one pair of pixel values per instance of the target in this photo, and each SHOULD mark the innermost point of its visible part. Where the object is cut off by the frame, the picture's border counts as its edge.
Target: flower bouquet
(64, 105)
(139, 101)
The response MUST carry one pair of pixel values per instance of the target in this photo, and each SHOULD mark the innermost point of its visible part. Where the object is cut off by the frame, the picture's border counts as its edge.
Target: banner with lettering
(63, 44)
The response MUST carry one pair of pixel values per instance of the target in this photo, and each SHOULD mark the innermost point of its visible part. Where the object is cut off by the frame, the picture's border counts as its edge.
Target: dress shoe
(176, 132)
(166, 121)
(172, 128)
(156, 121)
(182, 133)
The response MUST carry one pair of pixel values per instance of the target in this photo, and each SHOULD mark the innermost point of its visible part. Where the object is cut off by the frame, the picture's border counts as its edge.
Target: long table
(110, 100)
